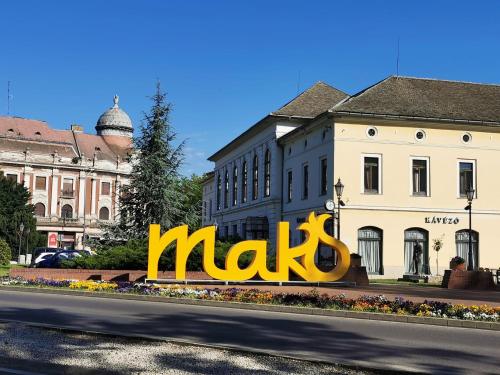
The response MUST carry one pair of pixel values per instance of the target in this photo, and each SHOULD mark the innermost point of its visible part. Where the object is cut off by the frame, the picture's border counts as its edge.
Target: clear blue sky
(226, 64)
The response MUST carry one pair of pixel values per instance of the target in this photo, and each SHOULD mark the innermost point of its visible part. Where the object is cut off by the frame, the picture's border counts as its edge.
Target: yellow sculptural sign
(299, 259)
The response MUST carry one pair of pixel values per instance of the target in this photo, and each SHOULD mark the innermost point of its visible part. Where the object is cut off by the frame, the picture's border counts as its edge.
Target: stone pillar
(54, 193)
(93, 198)
(81, 195)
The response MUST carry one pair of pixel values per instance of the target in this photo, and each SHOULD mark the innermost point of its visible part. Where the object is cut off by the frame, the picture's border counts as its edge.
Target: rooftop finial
(116, 98)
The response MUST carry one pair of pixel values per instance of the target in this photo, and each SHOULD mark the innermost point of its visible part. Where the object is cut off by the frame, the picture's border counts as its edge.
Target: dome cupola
(114, 121)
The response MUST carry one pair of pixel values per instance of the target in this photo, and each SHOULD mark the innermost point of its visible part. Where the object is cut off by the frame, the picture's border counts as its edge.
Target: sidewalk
(409, 292)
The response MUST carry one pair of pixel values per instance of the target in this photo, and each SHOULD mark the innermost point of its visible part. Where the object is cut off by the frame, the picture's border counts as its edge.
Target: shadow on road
(267, 333)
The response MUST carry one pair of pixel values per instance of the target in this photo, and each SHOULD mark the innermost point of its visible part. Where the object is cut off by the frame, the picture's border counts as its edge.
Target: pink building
(74, 178)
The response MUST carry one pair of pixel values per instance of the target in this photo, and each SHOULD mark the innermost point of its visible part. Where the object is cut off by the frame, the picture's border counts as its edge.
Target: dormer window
(38, 134)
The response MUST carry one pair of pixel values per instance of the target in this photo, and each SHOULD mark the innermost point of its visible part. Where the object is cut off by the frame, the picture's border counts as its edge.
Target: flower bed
(378, 304)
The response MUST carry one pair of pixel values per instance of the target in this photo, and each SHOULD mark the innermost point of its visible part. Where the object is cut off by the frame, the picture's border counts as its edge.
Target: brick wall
(106, 275)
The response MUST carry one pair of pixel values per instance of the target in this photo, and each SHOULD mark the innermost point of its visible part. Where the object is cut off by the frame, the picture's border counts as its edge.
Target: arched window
(415, 238)
(462, 243)
(104, 213)
(39, 209)
(67, 212)
(219, 186)
(226, 189)
(267, 173)
(255, 178)
(235, 185)
(370, 249)
(244, 183)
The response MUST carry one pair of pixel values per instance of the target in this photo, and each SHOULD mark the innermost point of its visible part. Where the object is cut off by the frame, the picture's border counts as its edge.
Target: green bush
(134, 256)
(5, 253)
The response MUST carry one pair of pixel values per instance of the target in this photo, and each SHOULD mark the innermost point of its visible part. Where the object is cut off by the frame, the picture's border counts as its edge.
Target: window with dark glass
(244, 183)
(210, 209)
(105, 188)
(371, 174)
(39, 209)
(289, 186)
(466, 177)
(235, 186)
(305, 182)
(11, 177)
(40, 182)
(226, 189)
(419, 176)
(67, 211)
(267, 174)
(324, 177)
(255, 177)
(219, 186)
(104, 213)
(67, 188)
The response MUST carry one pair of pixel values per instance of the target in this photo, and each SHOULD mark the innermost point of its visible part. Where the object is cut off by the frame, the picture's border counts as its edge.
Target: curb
(272, 308)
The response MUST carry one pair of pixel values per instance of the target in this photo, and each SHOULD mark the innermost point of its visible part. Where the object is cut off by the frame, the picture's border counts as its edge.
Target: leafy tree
(153, 195)
(192, 191)
(5, 253)
(14, 210)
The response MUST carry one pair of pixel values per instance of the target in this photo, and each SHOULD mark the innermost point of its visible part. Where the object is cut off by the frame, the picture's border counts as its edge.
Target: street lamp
(470, 196)
(339, 188)
(21, 229)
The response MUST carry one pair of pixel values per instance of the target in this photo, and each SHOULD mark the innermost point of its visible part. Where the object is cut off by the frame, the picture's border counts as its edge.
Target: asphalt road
(374, 344)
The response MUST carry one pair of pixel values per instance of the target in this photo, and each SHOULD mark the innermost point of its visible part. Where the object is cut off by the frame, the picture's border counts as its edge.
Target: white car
(43, 256)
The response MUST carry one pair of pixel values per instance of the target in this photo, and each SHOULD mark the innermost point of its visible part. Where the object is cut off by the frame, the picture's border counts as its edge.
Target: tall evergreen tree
(153, 195)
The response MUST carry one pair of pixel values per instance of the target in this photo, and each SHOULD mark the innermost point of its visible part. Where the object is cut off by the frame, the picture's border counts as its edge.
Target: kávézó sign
(441, 220)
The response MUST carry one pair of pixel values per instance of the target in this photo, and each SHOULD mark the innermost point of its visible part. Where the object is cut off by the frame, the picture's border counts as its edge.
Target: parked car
(43, 256)
(39, 250)
(55, 260)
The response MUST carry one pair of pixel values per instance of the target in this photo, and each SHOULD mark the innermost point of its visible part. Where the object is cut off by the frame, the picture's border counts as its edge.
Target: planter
(355, 260)
(457, 266)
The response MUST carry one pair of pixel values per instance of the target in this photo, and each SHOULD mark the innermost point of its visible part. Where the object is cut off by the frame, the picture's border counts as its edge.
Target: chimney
(76, 128)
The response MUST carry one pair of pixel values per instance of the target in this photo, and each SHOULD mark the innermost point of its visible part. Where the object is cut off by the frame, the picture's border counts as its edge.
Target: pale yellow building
(407, 150)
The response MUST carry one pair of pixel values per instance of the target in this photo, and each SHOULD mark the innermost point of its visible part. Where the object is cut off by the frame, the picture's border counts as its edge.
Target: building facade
(74, 178)
(407, 150)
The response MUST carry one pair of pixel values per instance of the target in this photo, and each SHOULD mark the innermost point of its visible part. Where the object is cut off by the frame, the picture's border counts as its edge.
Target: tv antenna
(397, 60)
(8, 98)
(298, 82)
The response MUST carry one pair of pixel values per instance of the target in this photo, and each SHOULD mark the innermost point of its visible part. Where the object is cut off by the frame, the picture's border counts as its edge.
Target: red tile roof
(17, 133)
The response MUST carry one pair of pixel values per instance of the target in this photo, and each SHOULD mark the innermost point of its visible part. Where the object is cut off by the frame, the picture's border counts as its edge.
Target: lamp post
(339, 188)
(470, 196)
(21, 229)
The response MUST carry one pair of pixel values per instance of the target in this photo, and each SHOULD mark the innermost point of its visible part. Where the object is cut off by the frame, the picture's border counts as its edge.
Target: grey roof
(114, 117)
(315, 100)
(427, 99)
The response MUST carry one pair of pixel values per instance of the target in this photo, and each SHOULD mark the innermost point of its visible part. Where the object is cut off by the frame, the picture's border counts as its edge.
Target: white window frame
(289, 186)
(474, 176)
(362, 184)
(320, 159)
(46, 182)
(306, 164)
(18, 179)
(110, 182)
(428, 161)
(73, 183)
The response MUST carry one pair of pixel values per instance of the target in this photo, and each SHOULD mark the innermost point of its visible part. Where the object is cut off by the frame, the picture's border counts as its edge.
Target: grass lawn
(396, 282)
(4, 270)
